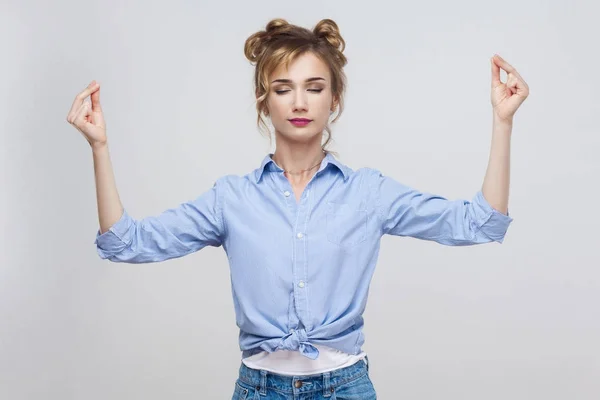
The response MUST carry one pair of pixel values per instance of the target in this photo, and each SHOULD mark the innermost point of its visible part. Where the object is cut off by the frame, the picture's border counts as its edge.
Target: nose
(300, 101)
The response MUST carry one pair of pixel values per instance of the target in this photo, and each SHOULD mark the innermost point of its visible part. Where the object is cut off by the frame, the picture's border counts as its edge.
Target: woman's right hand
(87, 116)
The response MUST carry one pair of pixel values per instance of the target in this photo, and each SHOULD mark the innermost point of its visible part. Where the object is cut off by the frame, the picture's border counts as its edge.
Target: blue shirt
(300, 270)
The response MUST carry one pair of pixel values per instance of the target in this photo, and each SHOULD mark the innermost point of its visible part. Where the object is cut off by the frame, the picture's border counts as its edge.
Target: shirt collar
(269, 165)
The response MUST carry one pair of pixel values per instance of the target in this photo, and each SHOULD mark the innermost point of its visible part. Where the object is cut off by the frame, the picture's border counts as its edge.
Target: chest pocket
(346, 224)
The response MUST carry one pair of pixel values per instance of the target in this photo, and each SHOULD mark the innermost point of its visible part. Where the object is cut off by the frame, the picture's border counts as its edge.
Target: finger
(510, 69)
(516, 73)
(77, 103)
(514, 84)
(495, 74)
(511, 80)
(82, 113)
(521, 80)
(521, 87)
(517, 86)
(72, 117)
(96, 100)
(79, 99)
(503, 64)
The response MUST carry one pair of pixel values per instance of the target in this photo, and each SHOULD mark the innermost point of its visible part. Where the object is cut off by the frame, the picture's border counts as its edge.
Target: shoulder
(378, 182)
(231, 183)
(368, 175)
(368, 171)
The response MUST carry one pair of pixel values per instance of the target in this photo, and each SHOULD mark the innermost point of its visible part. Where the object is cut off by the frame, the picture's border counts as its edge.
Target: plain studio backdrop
(517, 320)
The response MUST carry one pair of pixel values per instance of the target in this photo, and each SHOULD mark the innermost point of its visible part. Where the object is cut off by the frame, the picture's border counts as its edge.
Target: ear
(334, 104)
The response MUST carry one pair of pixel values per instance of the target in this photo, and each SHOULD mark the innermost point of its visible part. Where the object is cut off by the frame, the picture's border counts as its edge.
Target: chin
(300, 136)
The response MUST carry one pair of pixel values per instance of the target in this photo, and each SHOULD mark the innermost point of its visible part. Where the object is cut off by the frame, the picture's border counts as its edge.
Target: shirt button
(300, 235)
(286, 193)
(301, 283)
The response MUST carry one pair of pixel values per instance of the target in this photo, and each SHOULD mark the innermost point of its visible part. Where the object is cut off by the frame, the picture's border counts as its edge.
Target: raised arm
(174, 233)
(87, 117)
(405, 211)
(506, 99)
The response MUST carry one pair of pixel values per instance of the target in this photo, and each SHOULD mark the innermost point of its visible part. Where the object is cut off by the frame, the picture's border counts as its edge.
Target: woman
(302, 231)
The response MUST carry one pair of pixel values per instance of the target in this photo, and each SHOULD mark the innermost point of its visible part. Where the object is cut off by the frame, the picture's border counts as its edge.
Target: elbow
(107, 255)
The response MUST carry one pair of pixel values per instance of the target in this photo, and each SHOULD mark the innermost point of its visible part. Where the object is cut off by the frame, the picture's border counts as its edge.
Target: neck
(300, 163)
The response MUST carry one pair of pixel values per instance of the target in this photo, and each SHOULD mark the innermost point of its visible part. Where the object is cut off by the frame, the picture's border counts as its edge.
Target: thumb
(96, 100)
(495, 73)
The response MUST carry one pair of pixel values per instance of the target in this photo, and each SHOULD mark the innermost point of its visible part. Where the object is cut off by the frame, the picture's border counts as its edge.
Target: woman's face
(302, 91)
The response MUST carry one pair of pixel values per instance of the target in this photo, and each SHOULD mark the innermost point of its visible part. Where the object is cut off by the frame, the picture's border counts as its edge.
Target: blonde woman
(302, 231)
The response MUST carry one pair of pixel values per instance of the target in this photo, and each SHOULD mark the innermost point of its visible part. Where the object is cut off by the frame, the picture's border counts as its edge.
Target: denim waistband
(324, 382)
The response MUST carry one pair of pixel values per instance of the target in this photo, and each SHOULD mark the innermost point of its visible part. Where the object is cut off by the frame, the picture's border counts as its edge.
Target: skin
(506, 100)
(299, 148)
(88, 119)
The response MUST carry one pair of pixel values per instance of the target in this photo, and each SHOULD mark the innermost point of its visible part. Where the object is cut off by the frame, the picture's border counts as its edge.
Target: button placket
(300, 260)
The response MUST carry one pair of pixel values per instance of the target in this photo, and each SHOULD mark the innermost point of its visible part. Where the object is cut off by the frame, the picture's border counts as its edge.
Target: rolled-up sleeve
(405, 211)
(174, 233)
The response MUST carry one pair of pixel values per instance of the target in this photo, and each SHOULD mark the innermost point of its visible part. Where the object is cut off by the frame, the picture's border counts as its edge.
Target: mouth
(300, 121)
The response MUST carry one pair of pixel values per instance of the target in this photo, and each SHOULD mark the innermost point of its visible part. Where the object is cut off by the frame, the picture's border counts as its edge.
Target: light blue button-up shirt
(301, 270)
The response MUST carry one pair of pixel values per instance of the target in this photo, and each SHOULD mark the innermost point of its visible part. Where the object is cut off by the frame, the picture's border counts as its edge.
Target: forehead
(304, 66)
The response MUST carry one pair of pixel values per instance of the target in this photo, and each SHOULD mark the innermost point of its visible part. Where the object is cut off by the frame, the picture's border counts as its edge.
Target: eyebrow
(314, 78)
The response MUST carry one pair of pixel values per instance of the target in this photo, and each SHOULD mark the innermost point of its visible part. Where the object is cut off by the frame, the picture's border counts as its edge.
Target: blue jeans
(348, 383)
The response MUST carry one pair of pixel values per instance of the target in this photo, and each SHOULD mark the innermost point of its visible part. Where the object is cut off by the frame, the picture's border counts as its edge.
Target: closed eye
(310, 90)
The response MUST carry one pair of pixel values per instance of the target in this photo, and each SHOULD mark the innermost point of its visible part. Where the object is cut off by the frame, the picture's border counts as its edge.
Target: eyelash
(280, 92)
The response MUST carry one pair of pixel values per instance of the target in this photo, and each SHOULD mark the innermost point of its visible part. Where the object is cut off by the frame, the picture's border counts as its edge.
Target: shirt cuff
(490, 221)
(116, 238)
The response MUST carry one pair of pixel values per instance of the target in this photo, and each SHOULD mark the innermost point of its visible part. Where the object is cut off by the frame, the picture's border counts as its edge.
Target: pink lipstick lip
(304, 120)
(300, 121)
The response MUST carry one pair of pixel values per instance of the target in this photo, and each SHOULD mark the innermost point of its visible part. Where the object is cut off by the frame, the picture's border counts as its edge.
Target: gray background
(518, 320)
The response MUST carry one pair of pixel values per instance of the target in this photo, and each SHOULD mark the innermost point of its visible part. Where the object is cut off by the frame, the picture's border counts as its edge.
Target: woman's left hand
(507, 97)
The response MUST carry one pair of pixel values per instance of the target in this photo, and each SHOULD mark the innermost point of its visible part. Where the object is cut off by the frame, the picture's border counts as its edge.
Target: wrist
(99, 146)
(502, 120)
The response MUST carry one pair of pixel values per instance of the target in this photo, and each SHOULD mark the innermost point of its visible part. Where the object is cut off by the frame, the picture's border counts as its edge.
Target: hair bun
(275, 24)
(257, 43)
(328, 30)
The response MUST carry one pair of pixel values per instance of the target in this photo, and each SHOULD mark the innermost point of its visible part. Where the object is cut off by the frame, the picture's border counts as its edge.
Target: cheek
(320, 104)
(276, 105)
(326, 102)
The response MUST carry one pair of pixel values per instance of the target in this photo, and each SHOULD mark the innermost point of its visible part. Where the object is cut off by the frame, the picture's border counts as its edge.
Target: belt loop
(367, 362)
(326, 384)
(263, 382)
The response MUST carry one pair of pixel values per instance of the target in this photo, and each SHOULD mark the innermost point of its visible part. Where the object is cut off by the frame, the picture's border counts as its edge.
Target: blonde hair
(281, 43)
